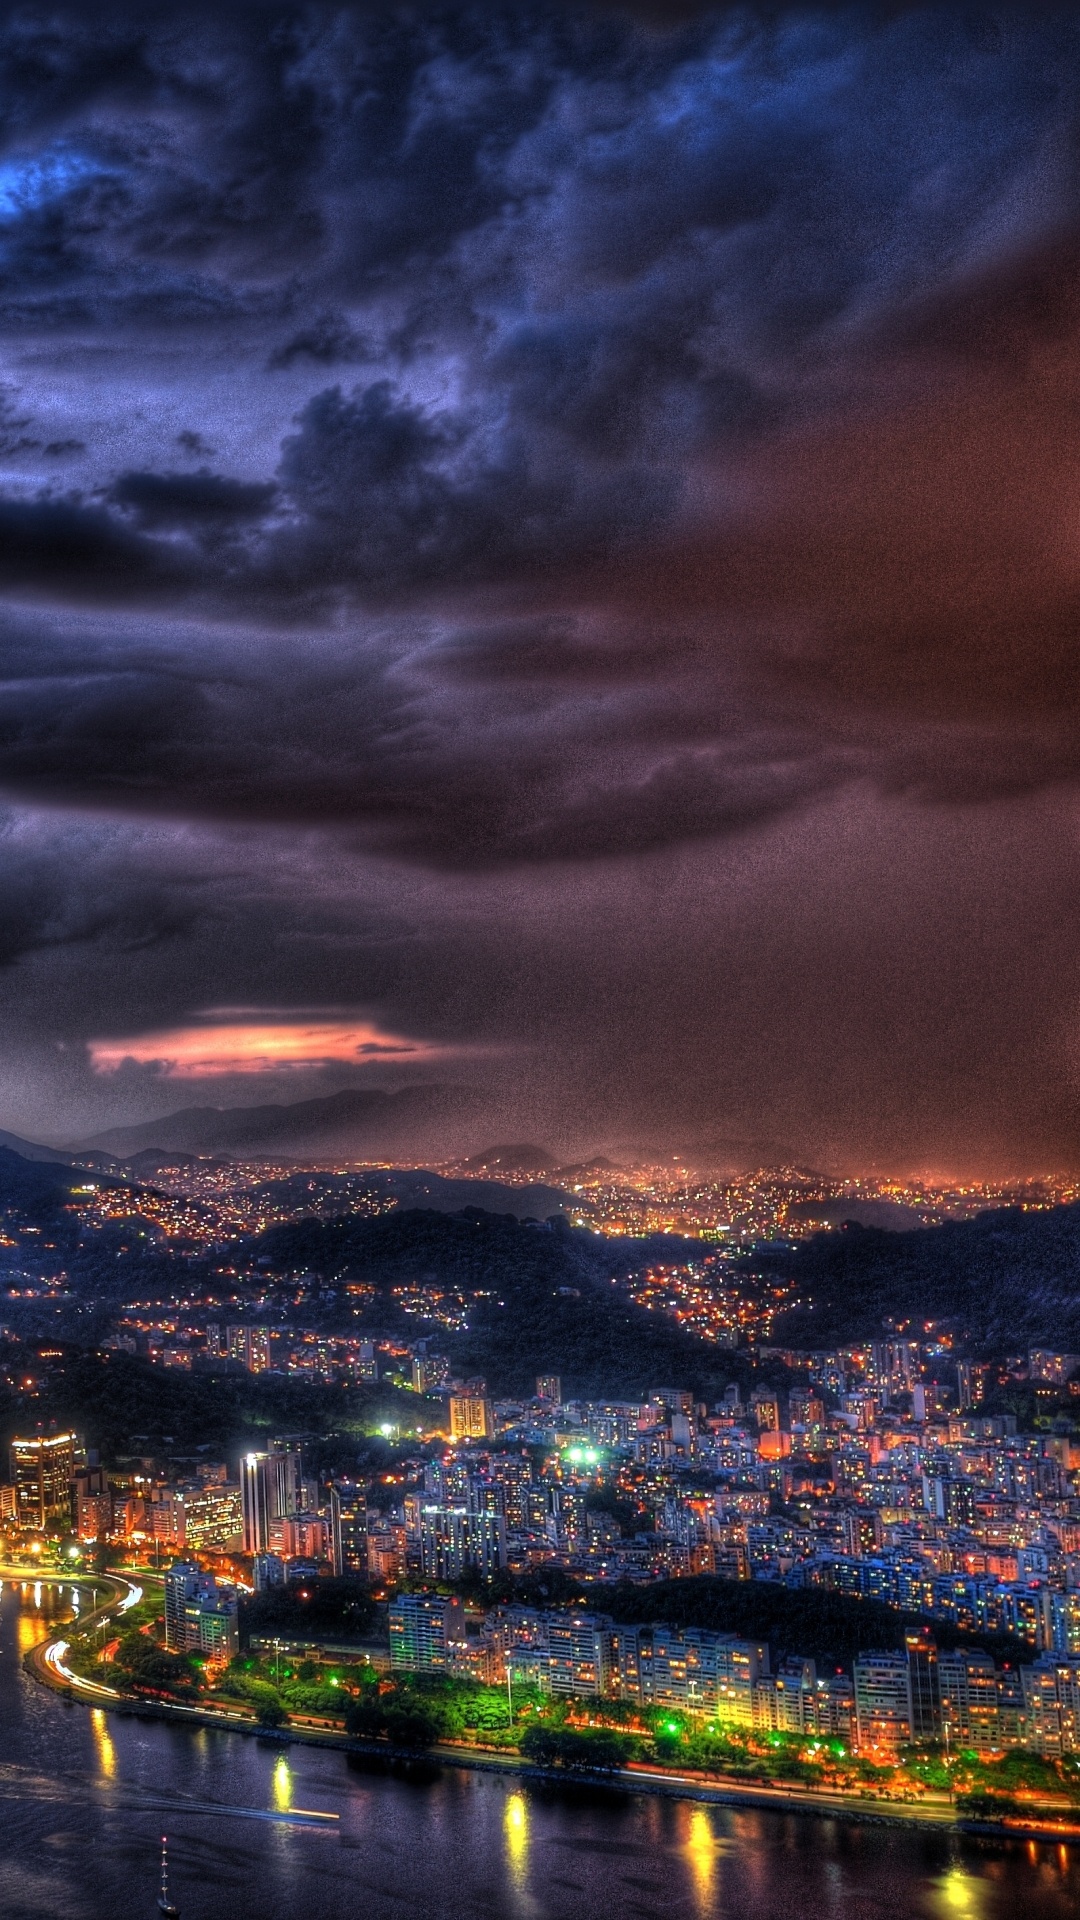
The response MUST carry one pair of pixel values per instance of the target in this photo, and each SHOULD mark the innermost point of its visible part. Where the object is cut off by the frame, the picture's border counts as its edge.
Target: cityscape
(878, 1473)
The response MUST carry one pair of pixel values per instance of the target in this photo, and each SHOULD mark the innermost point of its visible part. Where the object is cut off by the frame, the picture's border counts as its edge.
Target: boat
(165, 1905)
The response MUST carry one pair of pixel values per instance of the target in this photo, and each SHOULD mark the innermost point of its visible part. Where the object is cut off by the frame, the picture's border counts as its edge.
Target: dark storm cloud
(685, 383)
(68, 891)
(439, 440)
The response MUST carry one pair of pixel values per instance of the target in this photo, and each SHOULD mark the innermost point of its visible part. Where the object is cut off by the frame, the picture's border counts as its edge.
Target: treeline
(811, 1622)
(123, 1404)
(324, 1608)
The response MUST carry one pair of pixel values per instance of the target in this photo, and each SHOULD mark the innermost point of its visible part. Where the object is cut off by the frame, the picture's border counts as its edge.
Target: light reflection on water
(106, 1752)
(701, 1851)
(516, 1829)
(85, 1795)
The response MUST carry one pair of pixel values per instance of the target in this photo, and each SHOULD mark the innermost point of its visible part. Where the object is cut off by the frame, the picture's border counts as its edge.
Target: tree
(266, 1701)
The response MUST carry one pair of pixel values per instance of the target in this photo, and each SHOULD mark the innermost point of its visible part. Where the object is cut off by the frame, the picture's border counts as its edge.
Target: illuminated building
(487, 1543)
(213, 1517)
(924, 1686)
(471, 1417)
(349, 1533)
(444, 1542)
(250, 1347)
(271, 1490)
(579, 1653)
(94, 1516)
(1052, 1704)
(429, 1370)
(256, 1501)
(425, 1632)
(41, 1470)
(883, 1701)
(305, 1536)
(968, 1689)
(200, 1616)
(549, 1387)
(268, 1571)
(258, 1350)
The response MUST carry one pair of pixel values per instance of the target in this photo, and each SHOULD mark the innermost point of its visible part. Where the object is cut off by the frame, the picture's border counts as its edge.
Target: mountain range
(357, 1123)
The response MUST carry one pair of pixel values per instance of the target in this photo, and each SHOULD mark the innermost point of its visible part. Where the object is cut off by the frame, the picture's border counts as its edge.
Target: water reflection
(702, 1851)
(31, 1630)
(282, 1785)
(960, 1895)
(106, 1752)
(516, 1835)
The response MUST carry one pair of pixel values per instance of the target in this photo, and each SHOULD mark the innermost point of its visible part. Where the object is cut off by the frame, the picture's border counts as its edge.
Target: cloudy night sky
(540, 552)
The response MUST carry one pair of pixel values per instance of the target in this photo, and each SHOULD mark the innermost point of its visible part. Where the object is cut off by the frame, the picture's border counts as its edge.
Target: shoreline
(41, 1663)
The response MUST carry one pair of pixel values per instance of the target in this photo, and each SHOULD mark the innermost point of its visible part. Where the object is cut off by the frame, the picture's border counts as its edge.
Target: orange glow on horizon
(260, 1044)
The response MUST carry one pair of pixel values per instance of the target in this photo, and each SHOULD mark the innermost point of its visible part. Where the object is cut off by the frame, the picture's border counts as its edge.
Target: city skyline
(539, 573)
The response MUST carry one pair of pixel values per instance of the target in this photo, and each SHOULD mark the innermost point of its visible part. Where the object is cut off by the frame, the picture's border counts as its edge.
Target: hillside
(549, 1303)
(1008, 1279)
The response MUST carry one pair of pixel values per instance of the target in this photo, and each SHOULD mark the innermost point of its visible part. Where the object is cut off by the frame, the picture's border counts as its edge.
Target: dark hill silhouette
(1007, 1278)
(357, 1123)
(550, 1305)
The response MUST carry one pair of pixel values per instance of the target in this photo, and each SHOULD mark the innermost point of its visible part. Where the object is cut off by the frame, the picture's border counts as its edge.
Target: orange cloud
(265, 1044)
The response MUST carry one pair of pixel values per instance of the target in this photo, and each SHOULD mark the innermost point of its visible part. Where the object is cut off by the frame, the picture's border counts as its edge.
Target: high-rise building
(200, 1615)
(1052, 1704)
(925, 1687)
(256, 1501)
(249, 1346)
(288, 1495)
(549, 1387)
(425, 1631)
(444, 1542)
(41, 1471)
(271, 1489)
(487, 1543)
(968, 1688)
(306, 1536)
(213, 1517)
(579, 1653)
(257, 1354)
(349, 1531)
(471, 1417)
(268, 1571)
(429, 1371)
(882, 1701)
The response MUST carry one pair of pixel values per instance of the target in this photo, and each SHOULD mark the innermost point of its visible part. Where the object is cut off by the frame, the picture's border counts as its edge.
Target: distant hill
(34, 1183)
(153, 1160)
(52, 1156)
(517, 1159)
(356, 1124)
(1009, 1278)
(889, 1215)
(549, 1305)
(423, 1189)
